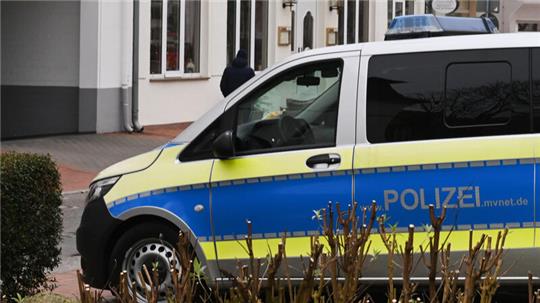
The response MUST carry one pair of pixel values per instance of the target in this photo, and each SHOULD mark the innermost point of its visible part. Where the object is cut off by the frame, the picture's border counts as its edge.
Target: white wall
(170, 100)
(330, 20)
(164, 102)
(282, 18)
(89, 44)
(115, 32)
(515, 11)
(106, 40)
(217, 31)
(378, 19)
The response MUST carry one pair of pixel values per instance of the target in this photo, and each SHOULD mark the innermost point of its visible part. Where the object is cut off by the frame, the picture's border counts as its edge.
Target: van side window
(201, 147)
(296, 109)
(452, 94)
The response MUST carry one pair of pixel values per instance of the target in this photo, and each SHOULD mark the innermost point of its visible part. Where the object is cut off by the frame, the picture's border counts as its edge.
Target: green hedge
(31, 222)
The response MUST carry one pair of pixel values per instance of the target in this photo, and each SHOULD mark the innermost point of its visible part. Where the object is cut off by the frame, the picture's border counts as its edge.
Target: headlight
(100, 188)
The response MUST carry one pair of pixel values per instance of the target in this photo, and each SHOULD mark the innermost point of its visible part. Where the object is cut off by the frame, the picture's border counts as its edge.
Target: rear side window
(438, 95)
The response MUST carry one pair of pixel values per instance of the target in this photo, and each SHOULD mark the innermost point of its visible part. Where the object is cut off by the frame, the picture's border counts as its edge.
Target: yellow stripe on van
(447, 151)
(537, 234)
(166, 171)
(299, 246)
(275, 164)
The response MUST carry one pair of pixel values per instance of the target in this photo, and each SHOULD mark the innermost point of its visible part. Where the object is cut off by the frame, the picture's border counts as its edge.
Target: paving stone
(80, 157)
(90, 153)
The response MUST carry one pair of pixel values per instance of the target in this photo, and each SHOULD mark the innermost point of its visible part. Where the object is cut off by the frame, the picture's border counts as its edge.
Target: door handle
(323, 161)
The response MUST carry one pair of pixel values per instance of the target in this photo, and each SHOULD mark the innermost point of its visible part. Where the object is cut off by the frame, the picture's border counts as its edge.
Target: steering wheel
(295, 131)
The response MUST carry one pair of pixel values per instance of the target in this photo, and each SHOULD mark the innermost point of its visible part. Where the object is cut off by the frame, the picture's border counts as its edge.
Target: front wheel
(149, 244)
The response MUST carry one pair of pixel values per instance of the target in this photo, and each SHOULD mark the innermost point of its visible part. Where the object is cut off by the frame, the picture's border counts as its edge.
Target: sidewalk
(79, 159)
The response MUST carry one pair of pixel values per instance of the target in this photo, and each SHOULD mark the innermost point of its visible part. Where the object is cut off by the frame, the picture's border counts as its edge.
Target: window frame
(181, 41)
(252, 29)
(406, 5)
(357, 18)
(534, 23)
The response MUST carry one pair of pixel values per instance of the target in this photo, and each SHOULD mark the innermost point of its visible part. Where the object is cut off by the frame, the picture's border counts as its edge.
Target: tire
(144, 243)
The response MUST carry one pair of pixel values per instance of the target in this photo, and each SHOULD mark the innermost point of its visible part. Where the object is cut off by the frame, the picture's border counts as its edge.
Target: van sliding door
(452, 129)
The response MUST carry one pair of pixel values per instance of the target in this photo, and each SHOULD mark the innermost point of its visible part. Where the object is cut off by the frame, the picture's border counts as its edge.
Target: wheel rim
(151, 252)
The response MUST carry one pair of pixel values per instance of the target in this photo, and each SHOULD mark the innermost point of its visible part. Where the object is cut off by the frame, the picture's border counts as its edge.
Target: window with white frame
(247, 29)
(352, 21)
(175, 40)
(398, 8)
(529, 26)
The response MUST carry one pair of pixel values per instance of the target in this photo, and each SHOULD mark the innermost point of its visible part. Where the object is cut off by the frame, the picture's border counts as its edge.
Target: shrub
(45, 297)
(31, 222)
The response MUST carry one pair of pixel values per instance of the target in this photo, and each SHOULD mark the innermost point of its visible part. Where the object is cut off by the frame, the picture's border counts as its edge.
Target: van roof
(506, 40)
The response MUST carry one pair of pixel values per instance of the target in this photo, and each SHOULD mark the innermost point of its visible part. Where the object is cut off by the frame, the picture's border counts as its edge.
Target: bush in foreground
(333, 267)
(31, 222)
(43, 297)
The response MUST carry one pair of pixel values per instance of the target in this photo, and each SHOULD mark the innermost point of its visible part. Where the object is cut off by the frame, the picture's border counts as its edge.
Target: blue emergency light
(423, 26)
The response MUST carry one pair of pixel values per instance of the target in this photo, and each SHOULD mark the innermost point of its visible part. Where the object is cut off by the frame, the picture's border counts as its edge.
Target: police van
(448, 121)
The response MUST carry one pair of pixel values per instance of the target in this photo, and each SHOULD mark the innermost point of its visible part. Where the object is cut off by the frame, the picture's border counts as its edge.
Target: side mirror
(223, 145)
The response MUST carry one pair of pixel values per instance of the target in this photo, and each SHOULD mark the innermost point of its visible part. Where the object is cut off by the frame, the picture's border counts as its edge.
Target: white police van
(448, 121)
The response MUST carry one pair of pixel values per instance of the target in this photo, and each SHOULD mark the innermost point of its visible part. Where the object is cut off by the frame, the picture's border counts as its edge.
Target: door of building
(305, 24)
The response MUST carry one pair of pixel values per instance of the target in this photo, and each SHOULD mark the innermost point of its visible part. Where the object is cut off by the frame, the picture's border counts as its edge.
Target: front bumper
(93, 238)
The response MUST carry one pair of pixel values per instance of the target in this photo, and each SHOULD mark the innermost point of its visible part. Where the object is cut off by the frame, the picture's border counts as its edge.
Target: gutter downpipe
(126, 72)
(125, 108)
(135, 71)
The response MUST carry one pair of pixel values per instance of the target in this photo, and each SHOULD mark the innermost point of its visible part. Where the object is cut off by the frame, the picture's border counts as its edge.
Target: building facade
(104, 66)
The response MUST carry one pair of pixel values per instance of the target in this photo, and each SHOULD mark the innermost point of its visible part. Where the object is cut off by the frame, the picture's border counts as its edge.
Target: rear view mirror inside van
(308, 81)
(329, 72)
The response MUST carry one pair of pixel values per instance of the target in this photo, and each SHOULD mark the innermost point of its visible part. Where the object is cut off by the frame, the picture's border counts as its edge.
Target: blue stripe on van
(275, 206)
(537, 208)
(178, 200)
(484, 194)
(479, 195)
(170, 144)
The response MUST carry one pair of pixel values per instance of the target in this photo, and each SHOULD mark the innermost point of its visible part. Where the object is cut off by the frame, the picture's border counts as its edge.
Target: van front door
(294, 141)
